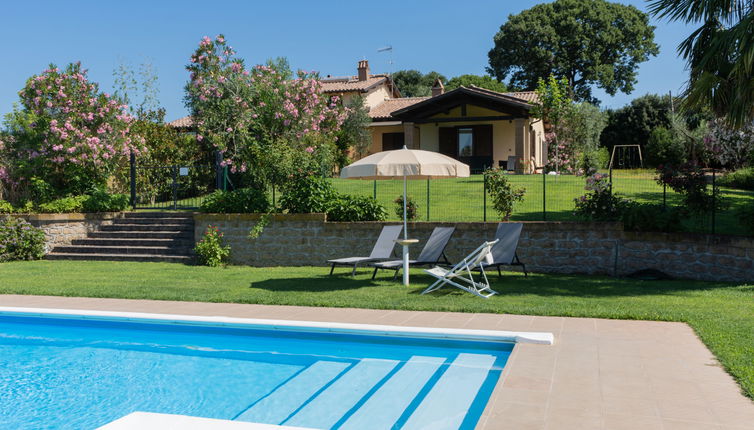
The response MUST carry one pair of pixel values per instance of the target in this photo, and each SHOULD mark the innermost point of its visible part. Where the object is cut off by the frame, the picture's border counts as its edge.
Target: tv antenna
(389, 50)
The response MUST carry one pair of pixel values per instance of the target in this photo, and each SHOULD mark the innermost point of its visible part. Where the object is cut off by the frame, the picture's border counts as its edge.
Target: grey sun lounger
(382, 250)
(432, 252)
(504, 251)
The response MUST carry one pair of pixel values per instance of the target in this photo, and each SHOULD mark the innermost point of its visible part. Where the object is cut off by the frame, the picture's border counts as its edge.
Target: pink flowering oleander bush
(266, 121)
(19, 240)
(211, 250)
(599, 203)
(67, 133)
(730, 148)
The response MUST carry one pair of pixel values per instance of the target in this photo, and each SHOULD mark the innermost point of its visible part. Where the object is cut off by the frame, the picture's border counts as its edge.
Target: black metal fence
(173, 187)
(547, 198)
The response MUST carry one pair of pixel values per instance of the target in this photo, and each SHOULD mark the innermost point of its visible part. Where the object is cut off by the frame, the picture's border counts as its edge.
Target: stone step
(141, 250)
(134, 215)
(121, 257)
(127, 234)
(135, 241)
(155, 221)
(148, 227)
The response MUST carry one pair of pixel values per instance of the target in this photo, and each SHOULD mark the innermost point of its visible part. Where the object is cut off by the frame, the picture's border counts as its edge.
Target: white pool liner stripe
(325, 410)
(284, 401)
(155, 421)
(311, 326)
(386, 406)
(447, 404)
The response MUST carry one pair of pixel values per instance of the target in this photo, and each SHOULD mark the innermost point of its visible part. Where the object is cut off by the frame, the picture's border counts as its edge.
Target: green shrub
(243, 200)
(664, 147)
(503, 195)
(19, 240)
(599, 203)
(355, 208)
(411, 208)
(307, 195)
(5, 207)
(102, 201)
(651, 217)
(63, 205)
(593, 160)
(41, 191)
(743, 179)
(210, 251)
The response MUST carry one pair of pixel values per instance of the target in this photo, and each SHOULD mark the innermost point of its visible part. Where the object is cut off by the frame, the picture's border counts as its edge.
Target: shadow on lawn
(510, 283)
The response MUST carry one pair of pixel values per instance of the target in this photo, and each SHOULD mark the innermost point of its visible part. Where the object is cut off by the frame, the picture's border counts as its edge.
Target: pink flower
(199, 137)
(309, 149)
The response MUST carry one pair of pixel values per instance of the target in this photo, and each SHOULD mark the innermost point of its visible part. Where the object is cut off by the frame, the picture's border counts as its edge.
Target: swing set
(627, 159)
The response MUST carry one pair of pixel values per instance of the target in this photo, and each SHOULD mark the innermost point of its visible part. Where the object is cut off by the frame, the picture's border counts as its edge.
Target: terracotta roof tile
(351, 83)
(185, 122)
(529, 96)
(384, 109)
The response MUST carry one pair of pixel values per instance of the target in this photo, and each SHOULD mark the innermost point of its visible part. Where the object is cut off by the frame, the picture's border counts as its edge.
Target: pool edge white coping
(542, 338)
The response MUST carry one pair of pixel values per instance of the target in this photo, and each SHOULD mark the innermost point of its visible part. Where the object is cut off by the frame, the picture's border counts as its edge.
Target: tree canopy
(413, 83)
(719, 53)
(482, 81)
(633, 124)
(588, 42)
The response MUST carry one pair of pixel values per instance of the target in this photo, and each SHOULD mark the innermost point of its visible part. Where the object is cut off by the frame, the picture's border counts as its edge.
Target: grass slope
(462, 199)
(722, 314)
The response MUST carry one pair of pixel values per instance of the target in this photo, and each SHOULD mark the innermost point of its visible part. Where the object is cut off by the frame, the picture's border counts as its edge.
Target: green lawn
(462, 199)
(722, 314)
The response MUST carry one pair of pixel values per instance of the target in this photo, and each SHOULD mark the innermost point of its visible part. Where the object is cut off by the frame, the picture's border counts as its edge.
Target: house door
(391, 141)
(469, 144)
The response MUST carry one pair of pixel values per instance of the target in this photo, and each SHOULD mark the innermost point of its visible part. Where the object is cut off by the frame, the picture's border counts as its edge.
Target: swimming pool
(79, 372)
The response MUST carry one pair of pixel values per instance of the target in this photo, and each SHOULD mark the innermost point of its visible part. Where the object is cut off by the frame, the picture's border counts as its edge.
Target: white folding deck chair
(461, 275)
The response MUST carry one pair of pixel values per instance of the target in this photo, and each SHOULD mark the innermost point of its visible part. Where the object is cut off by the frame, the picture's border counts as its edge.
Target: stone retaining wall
(62, 229)
(545, 247)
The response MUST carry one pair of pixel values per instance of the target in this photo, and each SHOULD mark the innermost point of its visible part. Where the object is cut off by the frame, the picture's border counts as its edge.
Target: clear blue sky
(450, 37)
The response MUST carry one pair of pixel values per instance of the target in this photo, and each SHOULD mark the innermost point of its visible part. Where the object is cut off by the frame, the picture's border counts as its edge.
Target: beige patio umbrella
(407, 164)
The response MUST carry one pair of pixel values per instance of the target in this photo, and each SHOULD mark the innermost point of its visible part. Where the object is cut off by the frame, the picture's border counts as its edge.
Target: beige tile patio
(600, 374)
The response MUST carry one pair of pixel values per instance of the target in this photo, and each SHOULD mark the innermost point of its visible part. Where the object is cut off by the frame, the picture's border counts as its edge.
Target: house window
(465, 142)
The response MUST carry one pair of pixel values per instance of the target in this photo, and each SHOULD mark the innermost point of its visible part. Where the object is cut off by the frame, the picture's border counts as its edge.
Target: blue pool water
(60, 372)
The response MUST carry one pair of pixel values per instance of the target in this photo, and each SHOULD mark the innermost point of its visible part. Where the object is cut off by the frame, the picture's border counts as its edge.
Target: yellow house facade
(480, 127)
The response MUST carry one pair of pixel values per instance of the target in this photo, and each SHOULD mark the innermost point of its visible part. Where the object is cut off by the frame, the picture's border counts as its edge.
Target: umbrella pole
(405, 236)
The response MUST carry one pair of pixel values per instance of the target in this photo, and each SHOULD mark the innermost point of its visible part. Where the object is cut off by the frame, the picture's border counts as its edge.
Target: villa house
(480, 127)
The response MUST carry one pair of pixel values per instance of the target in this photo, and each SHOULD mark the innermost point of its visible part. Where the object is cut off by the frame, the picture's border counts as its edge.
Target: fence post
(374, 189)
(218, 171)
(664, 196)
(274, 204)
(544, 195)
(175, 187)
(611, 178)
(427, 199)
(133, 180)
(714, 200)
(485, 198)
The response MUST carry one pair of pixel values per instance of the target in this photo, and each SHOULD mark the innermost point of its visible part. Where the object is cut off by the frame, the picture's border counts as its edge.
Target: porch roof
(506, 103)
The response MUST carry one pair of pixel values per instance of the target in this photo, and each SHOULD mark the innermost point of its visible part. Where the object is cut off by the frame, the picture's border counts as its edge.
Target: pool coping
(603, 374)
(540, 338)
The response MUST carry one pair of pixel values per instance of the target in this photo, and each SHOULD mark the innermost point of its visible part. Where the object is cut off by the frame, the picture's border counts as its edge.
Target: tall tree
(481, 81)
(588, 42)
(633, 124)
(720, 54)
(413, 83)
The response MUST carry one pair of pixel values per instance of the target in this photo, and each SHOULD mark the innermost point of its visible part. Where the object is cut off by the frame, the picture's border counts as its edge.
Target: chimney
(363, 70)
(438, 88)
